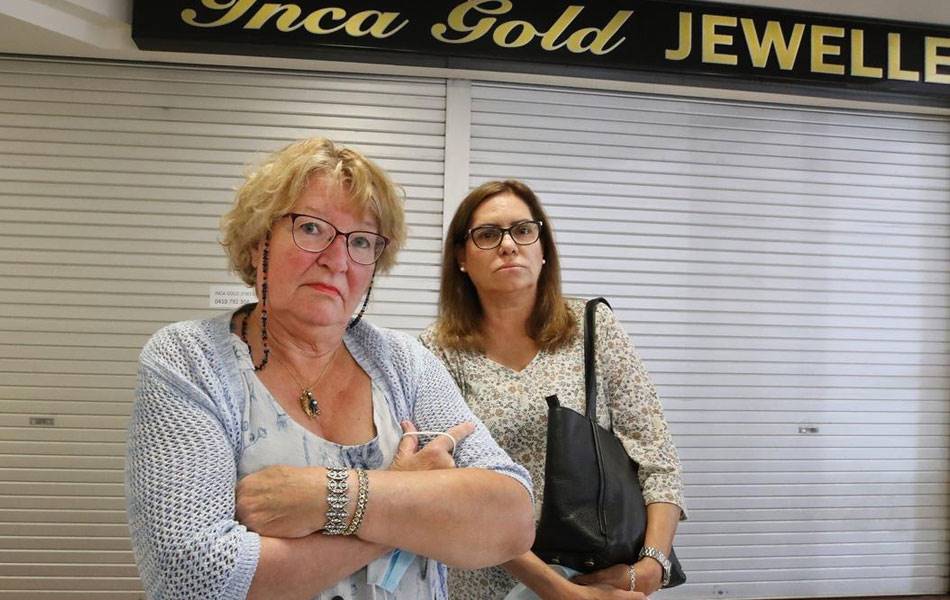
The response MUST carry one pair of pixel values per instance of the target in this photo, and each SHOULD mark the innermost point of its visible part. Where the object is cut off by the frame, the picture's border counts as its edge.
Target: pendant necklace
(308, 402)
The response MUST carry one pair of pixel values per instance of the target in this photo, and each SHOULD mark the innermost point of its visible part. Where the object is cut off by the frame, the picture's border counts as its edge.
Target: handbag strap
(590, 337)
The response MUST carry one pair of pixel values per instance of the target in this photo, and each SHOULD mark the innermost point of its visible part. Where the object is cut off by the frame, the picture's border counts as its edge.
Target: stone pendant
(309, 404)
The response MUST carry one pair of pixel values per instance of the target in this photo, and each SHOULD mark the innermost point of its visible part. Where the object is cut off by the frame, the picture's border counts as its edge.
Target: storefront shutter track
(784, 273)
(112, 179)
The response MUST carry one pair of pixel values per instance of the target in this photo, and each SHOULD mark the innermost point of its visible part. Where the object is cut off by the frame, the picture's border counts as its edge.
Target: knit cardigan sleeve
(181, 471)
(424, 392)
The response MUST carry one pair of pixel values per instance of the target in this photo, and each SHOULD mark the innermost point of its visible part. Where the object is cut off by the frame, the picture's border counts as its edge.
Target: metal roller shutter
(784, 273)
(113, 179)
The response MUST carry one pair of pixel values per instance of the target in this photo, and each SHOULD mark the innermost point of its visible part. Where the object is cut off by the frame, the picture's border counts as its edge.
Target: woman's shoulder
(606, 323)
(575, 305)
(192, 341)
(194, 358)
(429, 337)
(578, 306)
(384, 344)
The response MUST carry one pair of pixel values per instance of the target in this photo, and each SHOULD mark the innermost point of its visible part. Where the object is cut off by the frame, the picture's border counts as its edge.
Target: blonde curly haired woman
(267, 452)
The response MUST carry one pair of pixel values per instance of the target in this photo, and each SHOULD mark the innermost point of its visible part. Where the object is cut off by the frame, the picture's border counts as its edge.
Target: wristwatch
(659, 557)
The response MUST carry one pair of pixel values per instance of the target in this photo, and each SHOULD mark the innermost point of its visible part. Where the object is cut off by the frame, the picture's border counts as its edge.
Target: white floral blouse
(511, 404)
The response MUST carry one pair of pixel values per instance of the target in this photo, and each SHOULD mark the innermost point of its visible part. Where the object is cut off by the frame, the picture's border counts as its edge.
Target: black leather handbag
(593, 515)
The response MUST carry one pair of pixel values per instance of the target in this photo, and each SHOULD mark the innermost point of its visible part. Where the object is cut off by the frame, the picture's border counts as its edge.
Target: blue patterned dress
(272, 437)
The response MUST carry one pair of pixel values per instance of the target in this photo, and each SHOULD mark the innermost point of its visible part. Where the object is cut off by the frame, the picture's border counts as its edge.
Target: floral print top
(511, 404)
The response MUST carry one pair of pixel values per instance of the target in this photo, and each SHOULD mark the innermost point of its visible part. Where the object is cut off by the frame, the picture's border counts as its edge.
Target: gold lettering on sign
(517, 33)
(894, 70)
(820, 49)
(525, 33)
(786, 51)
(456, 21)
(321, 21)
(285, 22)
(711, 39)
(314, 21)
(834, 50)
(686, 39)
(235, 8)
(601, 37)
(858, 68)
(380, 24)
(549, 39)
(933, 59)
(291, 12)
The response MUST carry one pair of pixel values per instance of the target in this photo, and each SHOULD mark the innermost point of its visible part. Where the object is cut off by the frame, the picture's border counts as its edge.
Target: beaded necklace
(264, 346)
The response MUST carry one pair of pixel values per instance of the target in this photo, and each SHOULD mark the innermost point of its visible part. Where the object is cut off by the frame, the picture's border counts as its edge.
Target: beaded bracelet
(633, 578)
(337, 499)
(362, 495)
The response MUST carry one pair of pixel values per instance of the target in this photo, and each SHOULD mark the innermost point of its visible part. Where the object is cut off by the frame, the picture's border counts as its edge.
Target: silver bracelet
(337, 499)
(633, 578)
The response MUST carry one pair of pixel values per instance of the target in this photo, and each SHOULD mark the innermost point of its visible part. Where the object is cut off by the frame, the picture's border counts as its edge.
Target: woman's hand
(437, 454)
(649, 576)
(600, 591)
(282, 501)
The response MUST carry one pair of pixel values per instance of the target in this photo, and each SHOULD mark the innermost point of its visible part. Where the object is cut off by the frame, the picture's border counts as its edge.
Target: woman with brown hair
(509, 338)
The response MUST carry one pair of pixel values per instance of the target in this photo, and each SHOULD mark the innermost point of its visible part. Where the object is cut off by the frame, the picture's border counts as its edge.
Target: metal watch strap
(657, 555)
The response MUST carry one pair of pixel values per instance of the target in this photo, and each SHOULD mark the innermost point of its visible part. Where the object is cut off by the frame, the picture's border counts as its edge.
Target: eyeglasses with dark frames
(313, 234)
(488, 237)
